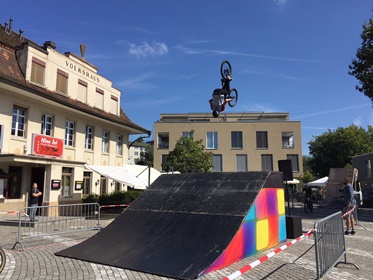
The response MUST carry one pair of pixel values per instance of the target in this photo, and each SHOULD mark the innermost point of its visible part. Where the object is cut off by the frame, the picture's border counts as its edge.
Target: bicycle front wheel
(2, 259)
(233, 94)
(225, 69)
(306, 208)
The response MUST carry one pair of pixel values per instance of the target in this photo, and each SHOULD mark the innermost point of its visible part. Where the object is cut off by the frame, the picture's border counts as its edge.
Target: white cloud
(280, 3)
(138, 82)
(146, 49)
(358, 122)
(259, 108)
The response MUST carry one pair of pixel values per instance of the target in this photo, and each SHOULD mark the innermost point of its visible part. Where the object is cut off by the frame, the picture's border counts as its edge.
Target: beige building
(239, 141)
(57, 114)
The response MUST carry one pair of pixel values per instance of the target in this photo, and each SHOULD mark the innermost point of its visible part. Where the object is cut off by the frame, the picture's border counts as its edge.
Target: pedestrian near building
(348, 206)
(34, 201)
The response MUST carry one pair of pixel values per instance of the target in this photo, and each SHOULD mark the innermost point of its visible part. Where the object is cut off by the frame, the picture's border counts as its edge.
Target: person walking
(348, 206)
(34, 201)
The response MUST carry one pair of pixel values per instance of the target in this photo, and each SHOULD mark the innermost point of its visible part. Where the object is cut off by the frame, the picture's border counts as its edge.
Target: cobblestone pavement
(38, 261)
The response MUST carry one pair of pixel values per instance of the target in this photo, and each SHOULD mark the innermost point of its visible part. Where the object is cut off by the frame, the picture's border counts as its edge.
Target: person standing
(348, 206)
(34, 201)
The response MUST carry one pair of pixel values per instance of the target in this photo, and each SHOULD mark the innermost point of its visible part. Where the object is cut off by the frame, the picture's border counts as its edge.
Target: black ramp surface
(178, 227)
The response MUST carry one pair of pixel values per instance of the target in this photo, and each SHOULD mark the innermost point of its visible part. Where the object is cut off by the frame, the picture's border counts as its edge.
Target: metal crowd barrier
(60, 219)
(330, 243)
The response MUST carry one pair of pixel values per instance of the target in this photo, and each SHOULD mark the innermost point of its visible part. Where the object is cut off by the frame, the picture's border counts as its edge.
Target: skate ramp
(186, 225)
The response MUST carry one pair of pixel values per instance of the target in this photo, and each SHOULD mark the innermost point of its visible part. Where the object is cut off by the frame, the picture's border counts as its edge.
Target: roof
(11, 74)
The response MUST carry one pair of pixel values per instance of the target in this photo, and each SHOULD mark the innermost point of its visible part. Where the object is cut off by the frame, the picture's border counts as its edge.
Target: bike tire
(2, 259)
(234, 95)
(225, 69)
(306, 208)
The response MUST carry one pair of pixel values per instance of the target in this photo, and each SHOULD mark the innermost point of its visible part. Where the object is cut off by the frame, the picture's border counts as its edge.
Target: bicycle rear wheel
(2, 259)
(225, 69)
(234, 95)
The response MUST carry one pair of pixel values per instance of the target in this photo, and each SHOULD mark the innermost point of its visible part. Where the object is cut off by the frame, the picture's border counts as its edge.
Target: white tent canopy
(322, 182)
(136, 176)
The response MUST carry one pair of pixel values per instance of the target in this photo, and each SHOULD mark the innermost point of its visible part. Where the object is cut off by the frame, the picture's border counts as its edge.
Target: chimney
(6, 27)
(21, 34)
(10, 24)
(49, 44)
(82, 50)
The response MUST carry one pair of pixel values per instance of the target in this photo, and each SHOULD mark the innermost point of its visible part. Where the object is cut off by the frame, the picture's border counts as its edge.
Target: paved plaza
(37, 260)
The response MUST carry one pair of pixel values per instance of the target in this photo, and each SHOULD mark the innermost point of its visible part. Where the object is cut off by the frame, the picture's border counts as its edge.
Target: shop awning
(136, 176)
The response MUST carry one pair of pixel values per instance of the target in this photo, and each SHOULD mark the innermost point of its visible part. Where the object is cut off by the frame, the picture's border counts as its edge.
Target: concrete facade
(57, 113)
(239, 141)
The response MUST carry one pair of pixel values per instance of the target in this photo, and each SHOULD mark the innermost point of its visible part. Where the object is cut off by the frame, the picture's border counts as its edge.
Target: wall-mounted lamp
(25, 149)
(112, 183)
(97, 182)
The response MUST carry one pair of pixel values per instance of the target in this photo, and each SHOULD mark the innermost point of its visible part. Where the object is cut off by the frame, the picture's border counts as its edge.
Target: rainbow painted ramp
(187, 225)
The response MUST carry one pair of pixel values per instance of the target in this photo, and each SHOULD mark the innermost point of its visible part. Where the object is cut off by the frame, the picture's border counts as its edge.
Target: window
(163, 140)
(294, 162)
(87, 182)
(18, 121)
(118, 186)
(61, 85)
(236, 139)
(212, 140)
(164, 162)
(69, 133)
(218, 163)
(105, 141)
(37, 71)
(261, 140)
(241, 163)
(119, 145)
(287, 140)
(99, 98)
(114, 105)
(66, 182)
(368, 168)
(267, 163)
(82, 91)
(1, 136)
(47, 125)
(103, 185)
(88, 138)
(15, 182)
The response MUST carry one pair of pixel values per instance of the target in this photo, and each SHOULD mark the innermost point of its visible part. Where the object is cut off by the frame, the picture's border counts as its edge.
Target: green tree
(189, 155)
(335, 149)
(306, 177)
(146, 157)
(362, 66)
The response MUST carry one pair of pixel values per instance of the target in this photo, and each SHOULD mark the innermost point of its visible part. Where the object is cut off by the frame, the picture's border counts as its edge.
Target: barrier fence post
(60, 219)
(330, 243)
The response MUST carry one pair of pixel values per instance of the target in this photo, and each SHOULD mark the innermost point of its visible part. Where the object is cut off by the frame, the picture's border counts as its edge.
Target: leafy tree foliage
(335, 149)
(306, 177)
(362, 66)
(146, 157)
(189, 155)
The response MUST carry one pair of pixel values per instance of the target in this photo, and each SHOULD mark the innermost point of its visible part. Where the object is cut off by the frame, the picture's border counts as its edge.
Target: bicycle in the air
(2, 259)
(224, 95)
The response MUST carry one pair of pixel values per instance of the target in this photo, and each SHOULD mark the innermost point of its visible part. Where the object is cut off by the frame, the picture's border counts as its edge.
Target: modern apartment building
(240, 141)
(57, 114)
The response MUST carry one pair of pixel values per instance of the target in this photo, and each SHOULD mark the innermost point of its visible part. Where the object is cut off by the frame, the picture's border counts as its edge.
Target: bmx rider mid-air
(224, 95)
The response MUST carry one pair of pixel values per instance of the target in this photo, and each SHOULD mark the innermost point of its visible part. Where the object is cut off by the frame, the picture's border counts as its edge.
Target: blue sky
(287, 55)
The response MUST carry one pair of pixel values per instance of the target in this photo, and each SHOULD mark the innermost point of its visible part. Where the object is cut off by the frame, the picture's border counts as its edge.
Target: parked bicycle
(2, 259)
(221, 97)
(308, 205)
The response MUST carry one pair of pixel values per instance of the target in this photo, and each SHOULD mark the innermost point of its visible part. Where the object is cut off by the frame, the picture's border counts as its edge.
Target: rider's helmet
(215, 113)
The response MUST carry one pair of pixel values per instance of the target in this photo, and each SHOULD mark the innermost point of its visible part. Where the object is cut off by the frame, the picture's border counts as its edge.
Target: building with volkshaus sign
(56, 115)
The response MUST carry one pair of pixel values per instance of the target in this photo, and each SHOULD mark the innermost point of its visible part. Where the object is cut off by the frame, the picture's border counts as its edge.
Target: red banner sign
(47, 146)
